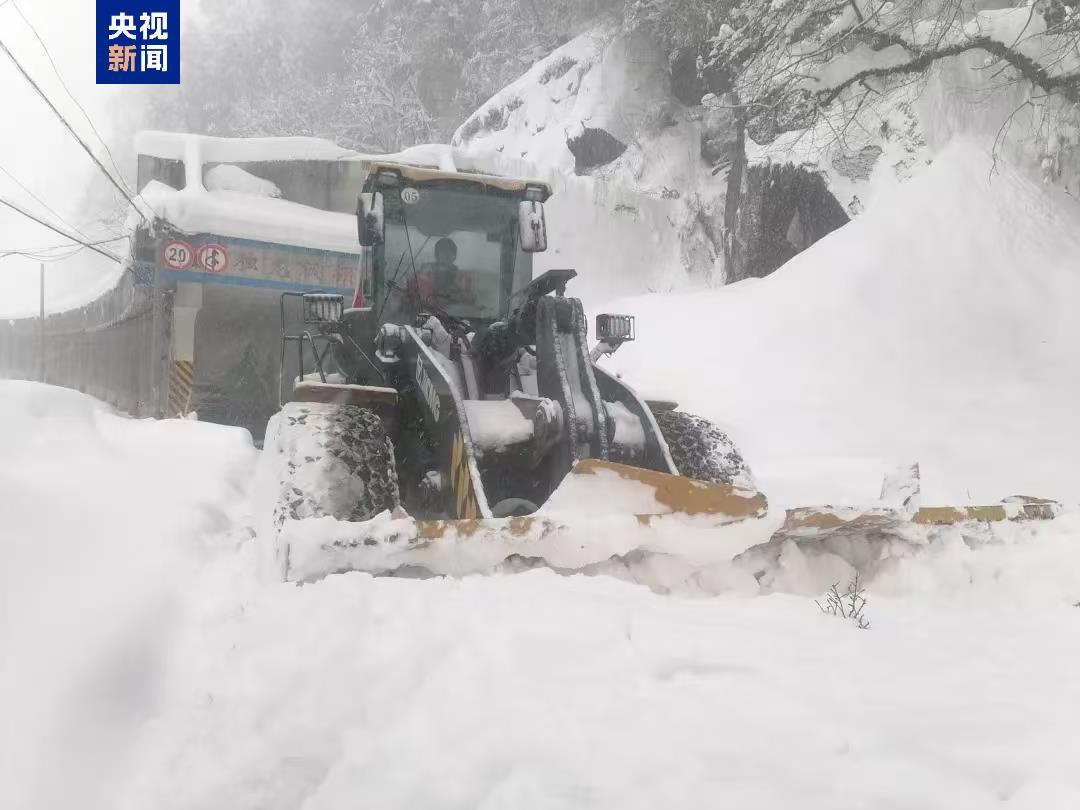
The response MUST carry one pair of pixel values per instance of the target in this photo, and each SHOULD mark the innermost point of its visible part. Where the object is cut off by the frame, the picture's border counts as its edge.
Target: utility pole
(41, 322)
(157, 367)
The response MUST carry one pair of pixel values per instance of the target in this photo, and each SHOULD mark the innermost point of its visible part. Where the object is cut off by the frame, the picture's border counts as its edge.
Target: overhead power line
(66, 245)
(41, 202)
(48, 258)
(75, 101)
(108, 254)
(123, 191)
(55, 253)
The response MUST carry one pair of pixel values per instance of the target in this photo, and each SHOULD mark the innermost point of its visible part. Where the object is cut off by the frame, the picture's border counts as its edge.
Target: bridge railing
(115, 348)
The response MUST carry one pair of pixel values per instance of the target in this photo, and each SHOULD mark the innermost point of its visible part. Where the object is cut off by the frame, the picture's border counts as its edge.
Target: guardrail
(115, 348)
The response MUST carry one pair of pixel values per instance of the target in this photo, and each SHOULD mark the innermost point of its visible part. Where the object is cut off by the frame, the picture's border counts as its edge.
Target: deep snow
(147, 665)
(938, 327)
(542, 691)
(104, 520)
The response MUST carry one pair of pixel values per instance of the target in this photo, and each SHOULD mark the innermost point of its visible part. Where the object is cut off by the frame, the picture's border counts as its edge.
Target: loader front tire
(338, 462)
(703, 451)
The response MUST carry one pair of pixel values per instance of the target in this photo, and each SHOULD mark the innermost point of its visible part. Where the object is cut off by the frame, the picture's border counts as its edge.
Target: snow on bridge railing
(114, 348)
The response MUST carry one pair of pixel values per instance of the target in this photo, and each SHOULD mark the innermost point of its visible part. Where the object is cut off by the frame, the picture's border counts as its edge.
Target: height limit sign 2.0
(138, 42)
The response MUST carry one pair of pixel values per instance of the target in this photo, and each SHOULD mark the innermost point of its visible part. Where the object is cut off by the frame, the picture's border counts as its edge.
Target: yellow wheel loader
(452, 416)
(457, 396)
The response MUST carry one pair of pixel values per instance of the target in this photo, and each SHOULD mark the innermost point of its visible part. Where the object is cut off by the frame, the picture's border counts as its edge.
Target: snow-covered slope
(603, 79)
(939, 327)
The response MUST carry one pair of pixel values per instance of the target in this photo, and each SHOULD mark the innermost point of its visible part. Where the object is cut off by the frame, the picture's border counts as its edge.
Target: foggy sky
(39, 152)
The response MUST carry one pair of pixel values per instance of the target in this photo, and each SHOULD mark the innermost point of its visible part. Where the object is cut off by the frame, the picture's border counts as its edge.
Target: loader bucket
(899, 512)
(811, 521)
(594, 485)
(602, 509)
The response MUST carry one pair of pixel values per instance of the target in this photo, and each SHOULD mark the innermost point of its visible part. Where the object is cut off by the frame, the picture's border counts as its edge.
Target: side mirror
(532, 227)
(370, 225)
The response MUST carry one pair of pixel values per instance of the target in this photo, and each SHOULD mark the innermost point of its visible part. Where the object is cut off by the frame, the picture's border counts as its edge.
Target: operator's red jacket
(424, 282)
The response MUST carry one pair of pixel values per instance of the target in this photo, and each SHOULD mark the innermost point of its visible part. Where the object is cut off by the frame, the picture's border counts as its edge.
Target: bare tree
(794, 59)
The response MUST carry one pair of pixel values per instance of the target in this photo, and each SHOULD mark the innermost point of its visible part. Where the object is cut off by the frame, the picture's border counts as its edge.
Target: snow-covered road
(145, 665)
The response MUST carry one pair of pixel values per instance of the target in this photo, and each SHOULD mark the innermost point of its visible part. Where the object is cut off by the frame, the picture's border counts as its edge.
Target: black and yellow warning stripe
(464, 497)
(181, 381)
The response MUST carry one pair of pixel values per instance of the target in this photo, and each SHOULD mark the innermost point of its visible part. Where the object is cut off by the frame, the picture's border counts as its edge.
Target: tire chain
(701, 450)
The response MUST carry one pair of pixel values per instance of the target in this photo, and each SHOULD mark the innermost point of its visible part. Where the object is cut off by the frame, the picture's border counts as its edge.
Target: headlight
(615, 327)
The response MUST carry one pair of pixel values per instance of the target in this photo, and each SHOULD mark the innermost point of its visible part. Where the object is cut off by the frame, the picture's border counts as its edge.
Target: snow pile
(226, 177)
(496, 424)
(592, 528)
(917, 558)
(616, 238)
(104, 521)
(937, 328)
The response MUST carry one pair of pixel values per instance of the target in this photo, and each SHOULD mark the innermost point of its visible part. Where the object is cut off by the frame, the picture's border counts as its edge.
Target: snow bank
(102, 523)
(592, 527)
(928, 560)
(616, 238)
(937, 328)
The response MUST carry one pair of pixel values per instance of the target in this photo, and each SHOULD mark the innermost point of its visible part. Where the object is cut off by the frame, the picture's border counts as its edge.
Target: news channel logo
(138, 41)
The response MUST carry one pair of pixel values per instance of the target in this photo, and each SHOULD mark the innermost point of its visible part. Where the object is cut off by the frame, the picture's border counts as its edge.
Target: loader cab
(409, 215)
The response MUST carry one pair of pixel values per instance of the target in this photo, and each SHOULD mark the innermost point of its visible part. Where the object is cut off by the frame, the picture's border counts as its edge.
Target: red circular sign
(213, 258)
(178, 255)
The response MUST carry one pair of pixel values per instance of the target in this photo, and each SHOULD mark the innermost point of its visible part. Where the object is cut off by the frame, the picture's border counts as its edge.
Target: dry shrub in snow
(850, 605)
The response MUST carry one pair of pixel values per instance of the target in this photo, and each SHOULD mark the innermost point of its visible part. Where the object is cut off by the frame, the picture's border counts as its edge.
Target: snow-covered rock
(604, 105)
